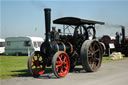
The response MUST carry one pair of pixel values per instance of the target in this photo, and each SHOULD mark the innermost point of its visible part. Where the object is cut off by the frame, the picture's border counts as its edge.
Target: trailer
(22, 45)
(2, 46)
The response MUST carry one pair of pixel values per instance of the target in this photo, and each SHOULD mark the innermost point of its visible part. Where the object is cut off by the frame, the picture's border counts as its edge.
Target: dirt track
(112, 73)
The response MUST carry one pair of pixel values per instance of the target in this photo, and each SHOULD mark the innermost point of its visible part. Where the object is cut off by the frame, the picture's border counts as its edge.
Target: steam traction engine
(120, 42)
(66, 50)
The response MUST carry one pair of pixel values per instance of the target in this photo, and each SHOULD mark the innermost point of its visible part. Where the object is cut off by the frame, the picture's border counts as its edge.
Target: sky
(26, 17)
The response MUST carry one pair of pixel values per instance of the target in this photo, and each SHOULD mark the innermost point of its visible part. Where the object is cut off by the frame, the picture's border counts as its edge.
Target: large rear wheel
(36, 64)
(91, 55)
(60, 64)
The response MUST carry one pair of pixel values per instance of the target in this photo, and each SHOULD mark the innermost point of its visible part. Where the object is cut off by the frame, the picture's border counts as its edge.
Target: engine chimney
(123, 34)
(47, 12)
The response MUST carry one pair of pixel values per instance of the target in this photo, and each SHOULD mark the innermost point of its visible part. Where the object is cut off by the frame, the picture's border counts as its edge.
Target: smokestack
(123, 34)
(47, 12)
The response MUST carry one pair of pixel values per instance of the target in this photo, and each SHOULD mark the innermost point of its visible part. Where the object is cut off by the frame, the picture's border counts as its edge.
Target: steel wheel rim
(94, 56)
(37, 64)
(62, 64)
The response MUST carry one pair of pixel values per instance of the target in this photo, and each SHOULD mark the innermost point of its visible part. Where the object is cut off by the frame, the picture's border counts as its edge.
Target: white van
(22, 45)
(2, 46)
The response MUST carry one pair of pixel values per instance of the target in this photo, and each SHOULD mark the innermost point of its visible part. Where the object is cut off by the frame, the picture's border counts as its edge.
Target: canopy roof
(75, 21)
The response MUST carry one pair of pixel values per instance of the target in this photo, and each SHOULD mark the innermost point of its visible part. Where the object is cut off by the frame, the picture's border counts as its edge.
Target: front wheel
(36, 64)
(60, 64)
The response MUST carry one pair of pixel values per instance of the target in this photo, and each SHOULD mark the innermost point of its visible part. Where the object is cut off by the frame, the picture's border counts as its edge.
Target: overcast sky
(26, 17)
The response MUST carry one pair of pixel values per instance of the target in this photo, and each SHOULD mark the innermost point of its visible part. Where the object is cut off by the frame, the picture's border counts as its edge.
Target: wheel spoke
(58, 65)
(33, 58)
(61, 70)
(32, 61)
(96, 51)
(34, 71)
(57, 70)
(90, 55)
(38, 56)
(91, 63)
(94, 65)
(91, 49)
(36, 68)
(97, 59)
(66, 67)
(40, 66)
(94, 46)
(60, 59)
(90, 60)
(64, 61)
(32, 65)
(61, 56)
(58, 62)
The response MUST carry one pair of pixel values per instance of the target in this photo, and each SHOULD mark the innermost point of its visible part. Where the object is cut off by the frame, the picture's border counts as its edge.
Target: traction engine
(64, 50)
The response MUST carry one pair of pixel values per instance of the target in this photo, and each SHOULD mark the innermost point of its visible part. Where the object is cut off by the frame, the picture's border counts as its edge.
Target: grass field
(16, 66)
(13, 66)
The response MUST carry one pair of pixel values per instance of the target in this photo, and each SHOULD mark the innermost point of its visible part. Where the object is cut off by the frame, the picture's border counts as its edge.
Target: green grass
(16, 66)
(12, 66)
